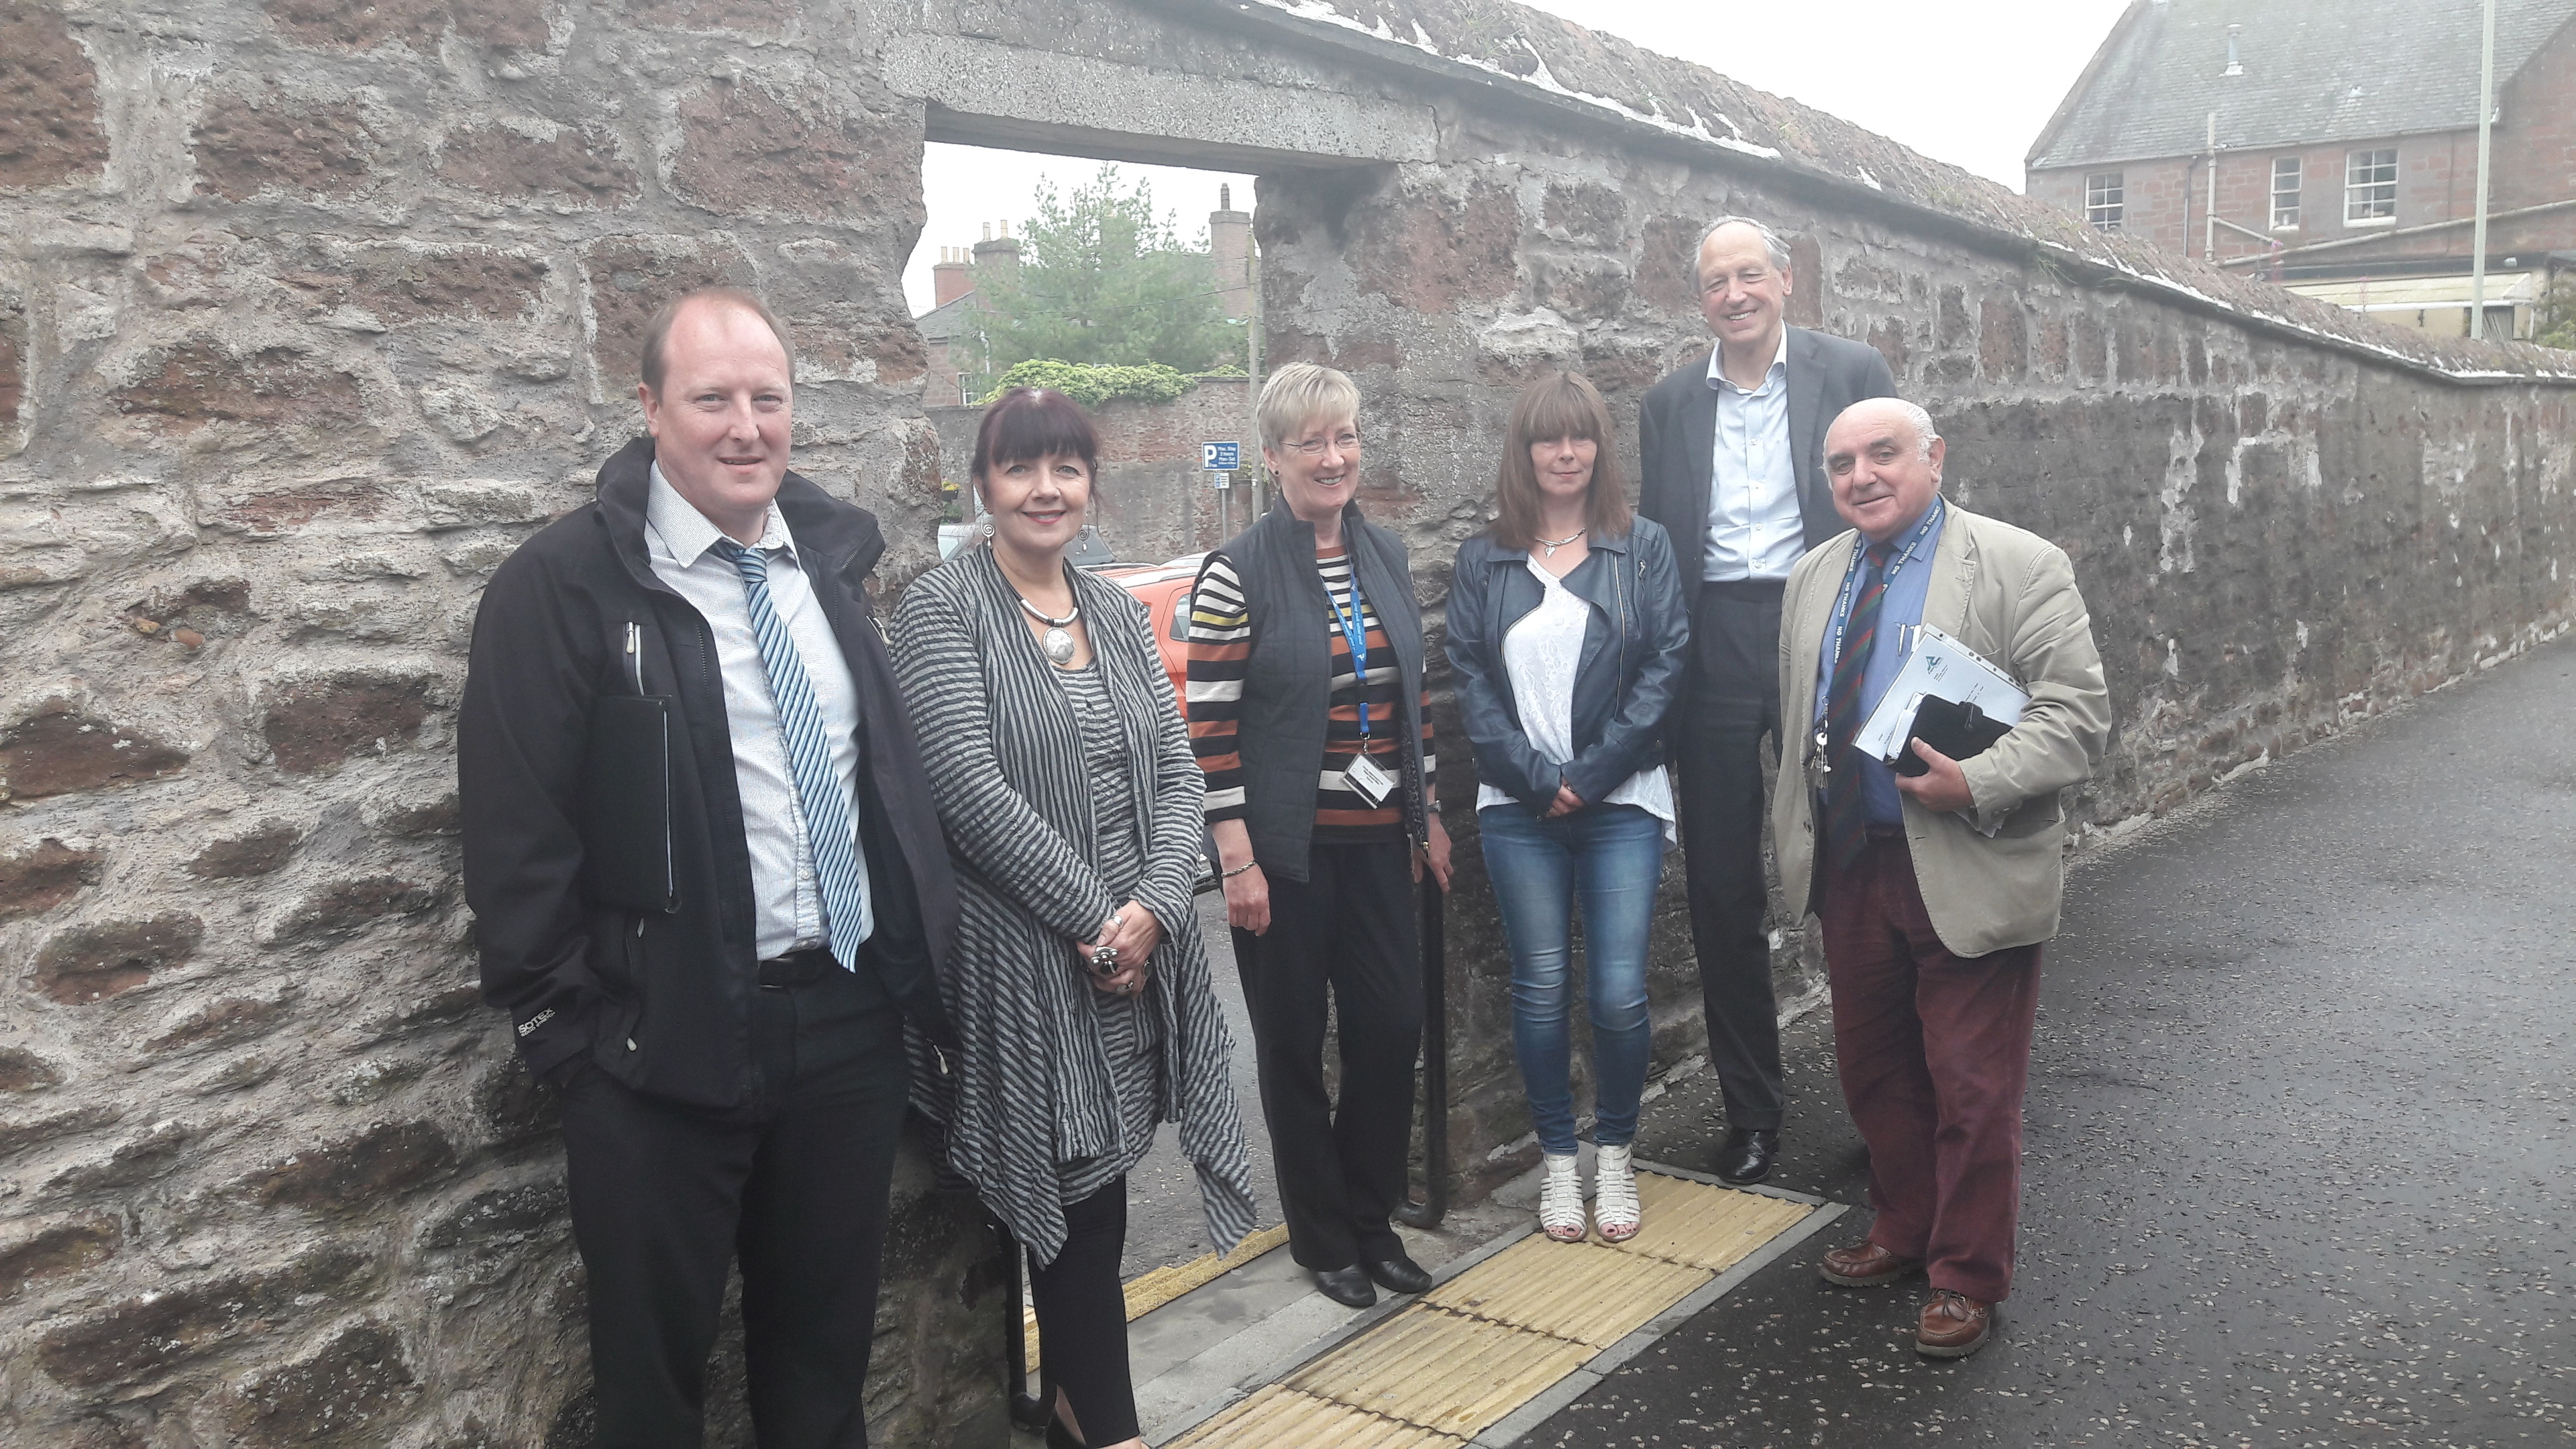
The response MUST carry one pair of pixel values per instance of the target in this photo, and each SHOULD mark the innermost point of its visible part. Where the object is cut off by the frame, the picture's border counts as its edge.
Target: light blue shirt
(1755, 528)
(786, 894)
(1900, 608)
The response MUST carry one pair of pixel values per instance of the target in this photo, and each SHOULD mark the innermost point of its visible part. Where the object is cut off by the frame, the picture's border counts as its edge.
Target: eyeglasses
(1345, 440)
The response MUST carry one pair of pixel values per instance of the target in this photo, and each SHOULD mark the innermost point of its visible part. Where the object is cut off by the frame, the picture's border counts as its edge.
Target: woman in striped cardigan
(1079, 987)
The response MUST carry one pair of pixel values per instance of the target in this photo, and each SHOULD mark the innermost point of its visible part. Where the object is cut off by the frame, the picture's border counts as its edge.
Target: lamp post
(2486, 119)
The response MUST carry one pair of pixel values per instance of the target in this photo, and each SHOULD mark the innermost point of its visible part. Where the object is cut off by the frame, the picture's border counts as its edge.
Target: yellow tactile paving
(1479, 1346)
(1703, 1226)
(1442, 1370)
(1282, 1418)
(1580, 1291)
(1150, 1291)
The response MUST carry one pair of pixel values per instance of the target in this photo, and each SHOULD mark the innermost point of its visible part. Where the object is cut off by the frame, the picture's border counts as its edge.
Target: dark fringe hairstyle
(1561, 405)
(1031, 422)
(657, 333)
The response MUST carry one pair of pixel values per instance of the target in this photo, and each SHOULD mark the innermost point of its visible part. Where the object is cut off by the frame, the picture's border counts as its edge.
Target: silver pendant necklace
(1553, 544)
(1057, 645)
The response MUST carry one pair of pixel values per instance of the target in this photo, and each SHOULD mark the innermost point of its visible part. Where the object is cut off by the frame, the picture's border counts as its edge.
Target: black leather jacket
(1630, 673)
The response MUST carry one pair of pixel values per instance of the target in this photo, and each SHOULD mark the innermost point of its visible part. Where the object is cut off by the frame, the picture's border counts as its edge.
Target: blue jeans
(1612, 856)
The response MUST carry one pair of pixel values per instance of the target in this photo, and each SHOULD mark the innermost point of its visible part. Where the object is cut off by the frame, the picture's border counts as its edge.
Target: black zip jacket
(661, 1001)
(1624, 683)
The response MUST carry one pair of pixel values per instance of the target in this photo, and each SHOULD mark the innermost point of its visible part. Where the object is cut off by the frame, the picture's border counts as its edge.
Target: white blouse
(1541, 653)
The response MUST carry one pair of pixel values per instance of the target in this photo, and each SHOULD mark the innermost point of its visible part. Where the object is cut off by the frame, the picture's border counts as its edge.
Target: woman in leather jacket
(1567, 631)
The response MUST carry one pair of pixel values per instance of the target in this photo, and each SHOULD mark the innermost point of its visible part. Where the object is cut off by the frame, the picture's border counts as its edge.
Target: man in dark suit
(1733, 446)
(709, 931)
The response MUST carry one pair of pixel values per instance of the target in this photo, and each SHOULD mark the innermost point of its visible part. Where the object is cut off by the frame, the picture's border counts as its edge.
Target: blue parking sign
(1220, 457)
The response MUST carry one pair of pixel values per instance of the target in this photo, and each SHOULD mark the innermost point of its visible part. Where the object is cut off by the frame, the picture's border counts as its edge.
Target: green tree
(2558, 314)
(1103, 280)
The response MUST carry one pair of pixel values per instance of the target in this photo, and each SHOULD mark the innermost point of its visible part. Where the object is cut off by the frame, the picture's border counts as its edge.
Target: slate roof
(957, 318)
(2315, 71)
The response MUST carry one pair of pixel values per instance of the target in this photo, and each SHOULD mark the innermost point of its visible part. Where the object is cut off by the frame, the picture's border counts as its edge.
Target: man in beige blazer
(1934, 891)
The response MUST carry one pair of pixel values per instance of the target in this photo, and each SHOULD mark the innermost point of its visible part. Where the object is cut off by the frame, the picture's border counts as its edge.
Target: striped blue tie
(809, 759)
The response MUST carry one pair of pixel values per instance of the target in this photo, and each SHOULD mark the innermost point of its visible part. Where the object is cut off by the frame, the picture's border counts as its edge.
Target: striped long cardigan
(1030, 1086)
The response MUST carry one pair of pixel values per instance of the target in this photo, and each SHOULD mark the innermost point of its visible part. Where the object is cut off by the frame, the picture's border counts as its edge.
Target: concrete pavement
(2299, 1138)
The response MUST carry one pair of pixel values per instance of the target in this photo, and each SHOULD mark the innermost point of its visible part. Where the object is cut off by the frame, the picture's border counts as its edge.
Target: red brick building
(2343, 139)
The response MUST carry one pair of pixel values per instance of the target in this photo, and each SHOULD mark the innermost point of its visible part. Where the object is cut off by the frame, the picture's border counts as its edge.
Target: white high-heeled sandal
(1560, 1200)
(1614, 1195)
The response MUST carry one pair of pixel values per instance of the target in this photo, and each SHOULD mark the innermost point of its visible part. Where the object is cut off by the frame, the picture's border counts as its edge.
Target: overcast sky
(1967, 81)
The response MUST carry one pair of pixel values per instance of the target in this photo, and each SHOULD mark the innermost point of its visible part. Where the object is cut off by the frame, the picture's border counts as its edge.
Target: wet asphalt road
(2299, 1146)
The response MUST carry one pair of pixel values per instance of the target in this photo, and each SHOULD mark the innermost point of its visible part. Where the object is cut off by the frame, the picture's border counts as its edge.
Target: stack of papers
(1942, 668)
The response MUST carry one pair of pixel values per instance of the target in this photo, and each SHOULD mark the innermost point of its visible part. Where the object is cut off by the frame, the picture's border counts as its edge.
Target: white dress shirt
(787, 897)
(1755, 527)
(1541, 652)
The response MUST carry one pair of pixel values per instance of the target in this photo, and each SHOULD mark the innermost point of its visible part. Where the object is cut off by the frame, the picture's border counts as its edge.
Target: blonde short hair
(1299, 394)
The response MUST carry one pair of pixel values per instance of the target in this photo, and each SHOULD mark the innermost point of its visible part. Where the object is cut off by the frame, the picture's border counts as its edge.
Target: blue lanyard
(1354, 628)
(1851, 579)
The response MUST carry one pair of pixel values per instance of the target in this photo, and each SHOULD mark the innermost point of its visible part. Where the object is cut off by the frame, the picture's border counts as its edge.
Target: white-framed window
(2285, 193)
(2102, 200)
(2370, 186)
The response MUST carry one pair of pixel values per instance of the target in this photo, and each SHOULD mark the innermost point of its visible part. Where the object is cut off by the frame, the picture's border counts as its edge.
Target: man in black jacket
(1733, 447)
(708, 888)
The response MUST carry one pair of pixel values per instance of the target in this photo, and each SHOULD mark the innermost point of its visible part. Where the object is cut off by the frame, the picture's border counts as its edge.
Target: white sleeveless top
(1541, 652)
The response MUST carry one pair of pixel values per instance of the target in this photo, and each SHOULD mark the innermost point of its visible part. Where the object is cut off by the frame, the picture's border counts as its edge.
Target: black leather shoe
(1746, 1155)
(1347, 1286)
(1399, 1274)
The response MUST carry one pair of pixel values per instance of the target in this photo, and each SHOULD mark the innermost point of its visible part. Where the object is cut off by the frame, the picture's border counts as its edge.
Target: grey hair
(1771, 242)
(1925, 435)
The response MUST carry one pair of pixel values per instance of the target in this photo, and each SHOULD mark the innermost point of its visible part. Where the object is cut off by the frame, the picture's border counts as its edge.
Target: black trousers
(794, 1182)
(1346, 930)
(1082, 1319)
(1732, 700)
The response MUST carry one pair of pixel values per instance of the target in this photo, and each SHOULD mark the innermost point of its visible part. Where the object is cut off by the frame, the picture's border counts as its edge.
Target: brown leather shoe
(1866, 1265)
(1954, 1325)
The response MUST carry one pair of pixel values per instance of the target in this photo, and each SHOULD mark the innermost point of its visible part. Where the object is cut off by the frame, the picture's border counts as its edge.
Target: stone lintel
(984, 93)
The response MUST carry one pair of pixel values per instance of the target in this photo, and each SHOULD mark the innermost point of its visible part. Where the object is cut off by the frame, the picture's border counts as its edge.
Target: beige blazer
(2010, 595)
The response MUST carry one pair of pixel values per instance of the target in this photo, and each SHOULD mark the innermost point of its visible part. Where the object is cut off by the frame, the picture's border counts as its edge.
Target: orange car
(1164, 589)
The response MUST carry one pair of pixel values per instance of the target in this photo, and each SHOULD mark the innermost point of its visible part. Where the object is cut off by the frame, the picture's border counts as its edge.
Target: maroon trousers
(1934, 1051)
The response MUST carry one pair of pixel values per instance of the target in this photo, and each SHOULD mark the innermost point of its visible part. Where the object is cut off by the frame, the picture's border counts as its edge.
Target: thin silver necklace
(1553, 544)
(1057, 645)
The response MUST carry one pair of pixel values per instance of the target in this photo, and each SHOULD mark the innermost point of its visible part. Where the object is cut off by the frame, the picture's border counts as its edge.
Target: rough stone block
(314, 725)
(500, 160)
(360, 24)
(1668, 265)
(147, 1156)
(49, 117)
(62, 749)
(13, 365)
(197, 383)
(258, 853)
(35, 881)
(91, 963)
(629, 278)
(357, 1173)
(1431, 253)
(398, 285)
(2003, 339)
(745, 150)
(19, 1134)
(353, 1391)
(503, 1216)
(345, 907)
(49, 1249)
(147, 1335)
(24, 1071)
(233, 1020)
(742, 17)
(1809, 286)
(245, 147)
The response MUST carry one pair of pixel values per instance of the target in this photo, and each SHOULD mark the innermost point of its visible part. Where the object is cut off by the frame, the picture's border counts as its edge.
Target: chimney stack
(1001, 251)
(951, 278)
(1230, 244)
(2234, 65)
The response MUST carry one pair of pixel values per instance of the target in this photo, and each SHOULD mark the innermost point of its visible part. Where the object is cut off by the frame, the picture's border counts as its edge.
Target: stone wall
(309, 312)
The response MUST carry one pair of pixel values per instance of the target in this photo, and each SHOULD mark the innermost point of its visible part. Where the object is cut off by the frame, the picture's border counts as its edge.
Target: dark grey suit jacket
(1677, 436)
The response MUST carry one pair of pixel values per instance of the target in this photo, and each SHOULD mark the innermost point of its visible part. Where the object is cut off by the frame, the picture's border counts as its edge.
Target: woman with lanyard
(1307, 709)
(1567, 631)
(1079, 986)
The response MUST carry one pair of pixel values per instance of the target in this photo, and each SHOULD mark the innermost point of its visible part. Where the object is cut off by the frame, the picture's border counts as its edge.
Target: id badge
(1369, 778)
